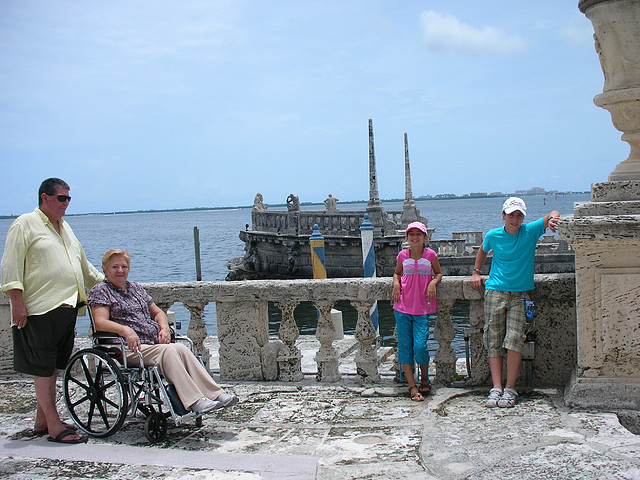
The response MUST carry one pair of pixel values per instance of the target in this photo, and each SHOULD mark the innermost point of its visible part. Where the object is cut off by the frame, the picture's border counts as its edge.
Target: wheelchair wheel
(155, 427)
(95, 392)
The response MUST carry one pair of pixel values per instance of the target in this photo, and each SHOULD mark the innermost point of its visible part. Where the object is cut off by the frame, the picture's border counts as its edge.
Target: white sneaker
(508, 398)
(226, 400)
(494, 396)
(205, 405)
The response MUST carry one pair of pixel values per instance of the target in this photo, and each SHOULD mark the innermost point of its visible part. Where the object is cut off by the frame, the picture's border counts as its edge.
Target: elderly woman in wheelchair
(123, 307)
(133, 366)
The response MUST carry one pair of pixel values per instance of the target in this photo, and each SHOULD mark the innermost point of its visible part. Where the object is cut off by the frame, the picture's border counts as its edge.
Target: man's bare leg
(46, 397)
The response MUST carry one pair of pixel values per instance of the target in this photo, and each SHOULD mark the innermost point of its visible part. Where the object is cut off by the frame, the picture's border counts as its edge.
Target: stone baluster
(165, 306)
(479, 363)
(444, 334)
(366, 356)
(327, 356)
(289, 358)
(197, 330)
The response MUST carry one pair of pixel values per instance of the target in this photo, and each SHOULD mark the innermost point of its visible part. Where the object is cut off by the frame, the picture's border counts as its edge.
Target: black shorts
(45, 343)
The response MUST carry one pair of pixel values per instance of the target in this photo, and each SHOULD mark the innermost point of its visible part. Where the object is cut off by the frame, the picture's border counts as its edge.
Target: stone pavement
(337, 432)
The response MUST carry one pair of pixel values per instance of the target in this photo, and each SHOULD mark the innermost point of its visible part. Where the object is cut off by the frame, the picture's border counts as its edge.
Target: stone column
(243, 329)
(290, 357)
(605, 233)
(197, 331)
(327, 356)
(444, 334)
(366, 357)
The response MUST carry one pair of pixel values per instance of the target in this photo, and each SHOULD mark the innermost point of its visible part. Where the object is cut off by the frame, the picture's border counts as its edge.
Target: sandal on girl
(417, 396)
(425, 388)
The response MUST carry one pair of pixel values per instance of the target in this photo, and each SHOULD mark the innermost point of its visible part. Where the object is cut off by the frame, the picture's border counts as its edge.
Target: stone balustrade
(471, 238)
(248, 353)
(450, 247)
(301, 222)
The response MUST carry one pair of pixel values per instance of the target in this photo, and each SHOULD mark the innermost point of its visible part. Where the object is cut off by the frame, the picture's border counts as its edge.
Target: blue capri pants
(413, 332)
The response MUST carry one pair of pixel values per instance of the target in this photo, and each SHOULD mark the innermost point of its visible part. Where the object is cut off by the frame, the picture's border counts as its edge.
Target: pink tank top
(416, 275)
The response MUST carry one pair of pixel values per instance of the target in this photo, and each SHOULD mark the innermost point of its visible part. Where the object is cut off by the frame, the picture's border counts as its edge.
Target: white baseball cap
(512, 204)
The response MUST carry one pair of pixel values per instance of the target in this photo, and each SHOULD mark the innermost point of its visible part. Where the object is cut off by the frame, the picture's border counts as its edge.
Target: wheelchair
(101, 389)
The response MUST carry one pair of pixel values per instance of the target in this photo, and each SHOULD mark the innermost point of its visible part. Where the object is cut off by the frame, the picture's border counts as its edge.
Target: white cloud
(447, 33)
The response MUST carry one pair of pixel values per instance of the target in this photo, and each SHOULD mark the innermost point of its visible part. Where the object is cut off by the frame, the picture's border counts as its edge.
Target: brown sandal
(425, 388)
(417, 396)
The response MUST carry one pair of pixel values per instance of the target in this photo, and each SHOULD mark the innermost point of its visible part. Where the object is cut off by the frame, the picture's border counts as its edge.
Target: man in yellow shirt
(45, 272)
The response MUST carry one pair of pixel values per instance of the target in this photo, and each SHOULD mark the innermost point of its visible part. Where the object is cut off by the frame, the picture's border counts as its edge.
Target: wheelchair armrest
(114, 344)
(107, 335)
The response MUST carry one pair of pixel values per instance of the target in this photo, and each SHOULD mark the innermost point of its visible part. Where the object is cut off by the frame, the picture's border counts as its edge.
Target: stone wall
(247, 353)
(6, 345)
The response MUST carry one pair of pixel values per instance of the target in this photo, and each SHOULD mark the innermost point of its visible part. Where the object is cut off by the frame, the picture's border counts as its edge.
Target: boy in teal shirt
(514, 248)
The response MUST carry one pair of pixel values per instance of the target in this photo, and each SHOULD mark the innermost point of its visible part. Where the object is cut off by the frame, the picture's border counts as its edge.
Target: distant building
(445, 195)
(478, 194)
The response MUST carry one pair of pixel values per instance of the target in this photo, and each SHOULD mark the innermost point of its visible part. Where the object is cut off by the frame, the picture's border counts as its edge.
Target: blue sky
(163, 104)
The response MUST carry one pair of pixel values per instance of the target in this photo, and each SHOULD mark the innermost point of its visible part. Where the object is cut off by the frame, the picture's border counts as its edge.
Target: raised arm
(551, 220)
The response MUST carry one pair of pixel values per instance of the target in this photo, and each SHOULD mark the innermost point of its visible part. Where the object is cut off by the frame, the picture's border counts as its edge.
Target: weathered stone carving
(330, 204)
(617, 42)
(605, 233)
(293, 203)
(444, 333)
(366, 357)
(289, 357)
(258, 205)
(327, 356)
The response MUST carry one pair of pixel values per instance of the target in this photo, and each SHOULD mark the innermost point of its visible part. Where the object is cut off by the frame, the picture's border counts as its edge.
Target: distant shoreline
(345, 202)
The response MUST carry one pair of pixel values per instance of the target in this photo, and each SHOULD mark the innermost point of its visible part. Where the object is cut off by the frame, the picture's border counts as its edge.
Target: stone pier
(605, 233)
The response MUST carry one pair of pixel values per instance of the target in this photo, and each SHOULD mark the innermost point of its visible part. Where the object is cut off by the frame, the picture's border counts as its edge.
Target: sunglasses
(62, 198)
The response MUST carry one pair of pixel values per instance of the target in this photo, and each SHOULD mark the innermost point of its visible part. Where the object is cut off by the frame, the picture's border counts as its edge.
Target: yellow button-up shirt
(51, 269)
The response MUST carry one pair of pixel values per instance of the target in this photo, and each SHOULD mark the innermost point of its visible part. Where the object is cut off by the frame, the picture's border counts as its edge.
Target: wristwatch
(477, 270)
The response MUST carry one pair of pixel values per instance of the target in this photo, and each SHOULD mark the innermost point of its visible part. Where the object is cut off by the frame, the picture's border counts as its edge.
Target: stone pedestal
(605, 234)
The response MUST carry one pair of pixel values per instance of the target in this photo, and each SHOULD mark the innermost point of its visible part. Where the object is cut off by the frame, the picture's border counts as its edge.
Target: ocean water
(161, 245)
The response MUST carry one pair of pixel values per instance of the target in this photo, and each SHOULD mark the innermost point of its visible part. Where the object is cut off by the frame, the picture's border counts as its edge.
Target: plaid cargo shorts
(505, 322)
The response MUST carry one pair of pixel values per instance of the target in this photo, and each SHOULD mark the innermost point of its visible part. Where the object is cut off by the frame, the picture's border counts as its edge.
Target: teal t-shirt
(513, 256)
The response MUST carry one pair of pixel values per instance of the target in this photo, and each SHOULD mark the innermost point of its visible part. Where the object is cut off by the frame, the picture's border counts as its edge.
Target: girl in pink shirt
(414, 296)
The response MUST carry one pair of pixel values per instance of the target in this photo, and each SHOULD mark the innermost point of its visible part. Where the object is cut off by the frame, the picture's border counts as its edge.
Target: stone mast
(605, 232)
(374, 196)
(377, 215)
(410, 212)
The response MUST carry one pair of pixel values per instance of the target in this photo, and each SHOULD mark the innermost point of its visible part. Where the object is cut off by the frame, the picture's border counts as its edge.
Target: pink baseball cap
(512, 204)
(419, 225)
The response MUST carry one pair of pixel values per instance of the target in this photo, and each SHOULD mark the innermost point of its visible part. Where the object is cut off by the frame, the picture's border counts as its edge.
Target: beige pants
(179, 366)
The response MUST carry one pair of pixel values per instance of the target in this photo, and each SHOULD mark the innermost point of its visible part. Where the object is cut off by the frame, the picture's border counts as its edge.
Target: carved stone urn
(617, 41)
